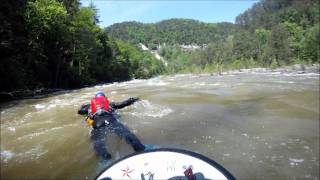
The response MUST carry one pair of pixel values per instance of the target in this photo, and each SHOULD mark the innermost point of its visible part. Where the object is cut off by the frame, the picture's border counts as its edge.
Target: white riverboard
(165, 164)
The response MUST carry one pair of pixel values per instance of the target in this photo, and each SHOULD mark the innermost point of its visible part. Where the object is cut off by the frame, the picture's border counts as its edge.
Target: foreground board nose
(165, 163)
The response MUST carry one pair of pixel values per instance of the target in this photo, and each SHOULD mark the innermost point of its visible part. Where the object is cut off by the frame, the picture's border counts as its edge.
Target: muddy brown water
(257, 125)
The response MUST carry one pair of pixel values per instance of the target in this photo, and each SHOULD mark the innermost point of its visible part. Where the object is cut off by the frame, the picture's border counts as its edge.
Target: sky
(152, 11)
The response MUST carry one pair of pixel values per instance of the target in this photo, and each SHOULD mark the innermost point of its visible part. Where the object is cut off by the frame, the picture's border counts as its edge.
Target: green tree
(46, 21)
(262, 36)
(311, 44)
(278, 46)
(244, 45)
(296, 34)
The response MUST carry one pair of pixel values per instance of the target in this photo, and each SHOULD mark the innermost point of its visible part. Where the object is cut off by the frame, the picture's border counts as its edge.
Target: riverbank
(296, 69)
(293, 69)
(26, 94)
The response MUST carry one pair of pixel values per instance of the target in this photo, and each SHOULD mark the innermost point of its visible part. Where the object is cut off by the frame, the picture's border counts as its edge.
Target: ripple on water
(35, 134)
(31, 154)
(34, 153)
(156, 82)
(145, 108)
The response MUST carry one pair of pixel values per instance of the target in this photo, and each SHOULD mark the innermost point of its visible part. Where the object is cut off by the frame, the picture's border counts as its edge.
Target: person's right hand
(90, 115)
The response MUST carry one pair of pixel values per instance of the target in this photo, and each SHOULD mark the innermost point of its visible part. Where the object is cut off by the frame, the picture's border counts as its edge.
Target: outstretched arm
(84, 109)
(119, 105)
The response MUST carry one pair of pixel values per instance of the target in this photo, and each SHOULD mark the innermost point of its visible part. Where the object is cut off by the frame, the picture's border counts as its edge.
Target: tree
(47, 30)
(278, 46)
(295, 35)
(244, 45)
(262, 36)
(311, 44)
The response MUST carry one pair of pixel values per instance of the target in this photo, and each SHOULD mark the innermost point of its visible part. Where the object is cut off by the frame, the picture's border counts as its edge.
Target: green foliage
(262, 35)
(142, 64)
(281, 29)
(278, 46)
(172, 31)
(45, 14)
(177, 58)
(296, 34)
(61, 46)
(46, 23)
(311, 43)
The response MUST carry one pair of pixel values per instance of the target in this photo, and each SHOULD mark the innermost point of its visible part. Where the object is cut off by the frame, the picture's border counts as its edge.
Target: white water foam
(39, 106)
(156, 82)
(285, 82)
(113, 92)
(200, 84)
(145, 108)
(135, 81)
(295, 162)
(182, 75)
(6, 155)
(12, 129)
(54, 103)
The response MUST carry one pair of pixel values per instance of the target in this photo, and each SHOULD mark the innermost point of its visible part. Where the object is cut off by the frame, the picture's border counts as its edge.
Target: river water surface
(258, 126)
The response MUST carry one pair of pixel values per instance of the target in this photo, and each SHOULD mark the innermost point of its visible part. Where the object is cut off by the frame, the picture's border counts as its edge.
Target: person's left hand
(134, 99)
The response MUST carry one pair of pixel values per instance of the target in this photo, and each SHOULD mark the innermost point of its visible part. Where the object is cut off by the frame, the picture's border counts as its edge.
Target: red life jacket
(98, 103)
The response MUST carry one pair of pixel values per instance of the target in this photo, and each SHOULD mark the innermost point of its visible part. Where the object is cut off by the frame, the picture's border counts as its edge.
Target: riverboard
(165, 163)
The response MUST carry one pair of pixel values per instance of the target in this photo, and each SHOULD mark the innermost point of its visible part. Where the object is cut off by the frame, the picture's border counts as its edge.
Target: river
(257, 125)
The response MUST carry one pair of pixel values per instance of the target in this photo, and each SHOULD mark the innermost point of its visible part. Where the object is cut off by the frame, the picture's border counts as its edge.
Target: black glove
(134, 99)
(90, 115)
(84, 109)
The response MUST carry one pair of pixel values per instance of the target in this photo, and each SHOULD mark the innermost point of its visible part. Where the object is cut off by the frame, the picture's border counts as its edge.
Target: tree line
(58, 44)
(171, 31)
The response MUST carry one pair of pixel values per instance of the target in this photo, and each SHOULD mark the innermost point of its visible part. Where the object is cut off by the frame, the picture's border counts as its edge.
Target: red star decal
(127, 171)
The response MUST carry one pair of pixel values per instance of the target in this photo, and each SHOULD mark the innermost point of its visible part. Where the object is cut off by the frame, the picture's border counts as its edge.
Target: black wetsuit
(107, 121)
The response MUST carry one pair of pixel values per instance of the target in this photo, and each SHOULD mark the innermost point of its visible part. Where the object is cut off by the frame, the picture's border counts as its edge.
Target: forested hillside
(285, 31)
(172, 31)
(271, 33)
(58, 44)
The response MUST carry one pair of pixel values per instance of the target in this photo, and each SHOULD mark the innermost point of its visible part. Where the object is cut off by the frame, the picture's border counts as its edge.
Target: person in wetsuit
(102, 117)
